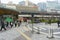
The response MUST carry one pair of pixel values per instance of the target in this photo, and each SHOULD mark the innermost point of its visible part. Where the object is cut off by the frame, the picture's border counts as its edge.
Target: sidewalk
(10, 34)
(13, 34)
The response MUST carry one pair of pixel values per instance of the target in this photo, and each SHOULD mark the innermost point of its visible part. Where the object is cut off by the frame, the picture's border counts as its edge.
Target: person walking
(58, 23)
(20, 22)
(11, 24)
(7, 24)
(15, 23)
(2, 25)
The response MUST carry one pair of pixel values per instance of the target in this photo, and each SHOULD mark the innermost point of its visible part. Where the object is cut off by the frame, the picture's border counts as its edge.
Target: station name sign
(10, 7)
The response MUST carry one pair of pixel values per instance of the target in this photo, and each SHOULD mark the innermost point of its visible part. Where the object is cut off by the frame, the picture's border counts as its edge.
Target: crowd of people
(5, 24)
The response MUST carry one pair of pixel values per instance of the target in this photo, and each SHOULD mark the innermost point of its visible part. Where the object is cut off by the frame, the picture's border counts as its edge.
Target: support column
(32, 22)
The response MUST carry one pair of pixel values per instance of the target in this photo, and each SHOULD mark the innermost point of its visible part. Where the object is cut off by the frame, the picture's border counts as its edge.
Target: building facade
(51, 6)
(42, 6)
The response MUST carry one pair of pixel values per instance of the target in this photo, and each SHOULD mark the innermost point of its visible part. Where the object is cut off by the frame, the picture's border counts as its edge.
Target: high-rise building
(2, 4)
(27, 3)
(10, 2)
(42, 6)
(11, 5)
(51, 5)
(58, 6)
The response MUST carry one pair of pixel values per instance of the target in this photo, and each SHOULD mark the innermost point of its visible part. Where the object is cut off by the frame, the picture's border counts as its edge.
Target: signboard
(24, 15)
(10, 7)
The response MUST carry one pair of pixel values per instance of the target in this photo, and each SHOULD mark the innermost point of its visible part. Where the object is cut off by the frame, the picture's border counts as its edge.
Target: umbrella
(8, 19)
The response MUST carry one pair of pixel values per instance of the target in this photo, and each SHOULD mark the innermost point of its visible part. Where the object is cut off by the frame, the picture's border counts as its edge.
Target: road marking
(25, 28)
(56, 33)
(40, 28)
(28, 38)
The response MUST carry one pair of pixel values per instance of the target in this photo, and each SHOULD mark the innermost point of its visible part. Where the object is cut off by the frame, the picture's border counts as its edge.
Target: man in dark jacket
(2, 25)
(58, 23)
(15, 23)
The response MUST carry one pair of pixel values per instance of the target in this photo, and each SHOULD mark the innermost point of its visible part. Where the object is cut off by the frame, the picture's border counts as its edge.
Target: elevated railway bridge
(5, 12)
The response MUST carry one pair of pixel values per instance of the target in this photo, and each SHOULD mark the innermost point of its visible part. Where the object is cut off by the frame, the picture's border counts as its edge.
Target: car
(36, 21)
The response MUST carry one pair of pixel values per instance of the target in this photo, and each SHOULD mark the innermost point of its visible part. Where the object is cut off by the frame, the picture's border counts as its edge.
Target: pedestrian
(7, 24)
(15, 23)
(18, 23)
(2, 25)
(11, 24)
(58, 23)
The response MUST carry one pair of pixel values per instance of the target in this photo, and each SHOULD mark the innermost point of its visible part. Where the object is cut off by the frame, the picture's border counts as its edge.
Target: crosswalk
(22, 31)
(57, 33)
(42, 30)
(23, 34)
(45, 30)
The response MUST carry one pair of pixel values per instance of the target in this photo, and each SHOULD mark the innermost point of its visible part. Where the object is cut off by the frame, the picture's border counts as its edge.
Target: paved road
(13, 34)
(9, 34)
(45, 28)
(42, 37)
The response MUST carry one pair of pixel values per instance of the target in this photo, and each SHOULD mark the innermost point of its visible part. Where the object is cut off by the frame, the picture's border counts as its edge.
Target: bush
(43, 20)
(53, 21)
(49, 21)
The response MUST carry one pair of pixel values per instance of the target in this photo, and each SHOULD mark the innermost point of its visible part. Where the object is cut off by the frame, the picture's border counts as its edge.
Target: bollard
(38, 31)
(32, 28)
(51, 34)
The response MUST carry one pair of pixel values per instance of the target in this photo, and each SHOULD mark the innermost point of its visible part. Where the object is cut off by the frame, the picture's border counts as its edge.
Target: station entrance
(8, 13)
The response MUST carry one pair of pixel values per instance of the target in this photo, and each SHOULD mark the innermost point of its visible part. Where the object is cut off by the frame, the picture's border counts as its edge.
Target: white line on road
(56, 33)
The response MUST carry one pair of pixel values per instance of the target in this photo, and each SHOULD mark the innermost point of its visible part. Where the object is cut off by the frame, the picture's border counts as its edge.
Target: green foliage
(46, 20)
(53, 21)
(49, 21)
(43, 20)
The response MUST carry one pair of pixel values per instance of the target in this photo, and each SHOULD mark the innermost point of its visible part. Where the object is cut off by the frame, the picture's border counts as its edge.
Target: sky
(16, 1)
